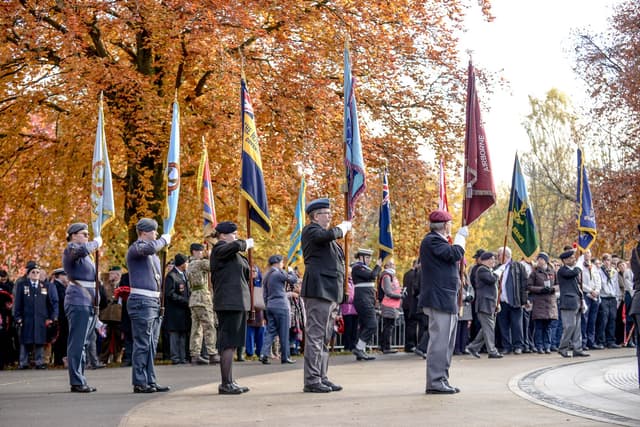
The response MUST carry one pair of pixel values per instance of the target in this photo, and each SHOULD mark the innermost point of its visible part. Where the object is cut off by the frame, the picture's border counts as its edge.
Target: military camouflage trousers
(203, 325)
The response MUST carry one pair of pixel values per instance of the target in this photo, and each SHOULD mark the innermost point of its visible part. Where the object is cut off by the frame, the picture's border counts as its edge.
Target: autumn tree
(57, 56)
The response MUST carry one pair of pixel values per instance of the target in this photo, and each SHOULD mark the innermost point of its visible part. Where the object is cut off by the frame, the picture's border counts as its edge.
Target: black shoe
(125, 364)
(214, 359)
(230, 388)
(332, 386)
(82, 389)
(362, 355)
(289, 361)
(242, 388)
(241, 359)
(579, 353)
(526, 350)
(160, 388)
(389, 351)
(420, 353)
(564, 353)
(199, 360)
(472, 352)
(540, 351)
(98, 366)
(495, 355)
(265, 360)
(41, 366)
(445, 390)
(596, 347)
(316, 388)
(612, 345)
(144, 389)
(23, 367)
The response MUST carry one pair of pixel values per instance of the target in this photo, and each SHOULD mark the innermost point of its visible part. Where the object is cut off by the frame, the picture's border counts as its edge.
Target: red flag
(443, 204)
(480, 193)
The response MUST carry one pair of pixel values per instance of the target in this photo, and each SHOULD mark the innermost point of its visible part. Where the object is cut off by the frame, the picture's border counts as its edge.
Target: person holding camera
(543, 290)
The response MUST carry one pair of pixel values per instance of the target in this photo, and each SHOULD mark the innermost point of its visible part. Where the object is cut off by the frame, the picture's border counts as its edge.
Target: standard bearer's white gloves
(249, 243)
(167, 238)
(460, 240)
(98, 240)
(464, 231)
(345, 226)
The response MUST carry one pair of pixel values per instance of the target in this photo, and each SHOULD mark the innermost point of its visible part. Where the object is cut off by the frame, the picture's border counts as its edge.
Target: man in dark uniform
(60, 280)
(176, 293)
(364, 300)
(570, 306)
(322, 290)
(143, 304)
(439, 287)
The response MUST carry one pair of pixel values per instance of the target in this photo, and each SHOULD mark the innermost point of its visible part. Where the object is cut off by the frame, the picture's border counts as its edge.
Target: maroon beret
(440, 216)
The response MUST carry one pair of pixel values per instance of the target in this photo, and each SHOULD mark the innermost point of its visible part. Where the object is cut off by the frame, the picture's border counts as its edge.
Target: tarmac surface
(523, 390)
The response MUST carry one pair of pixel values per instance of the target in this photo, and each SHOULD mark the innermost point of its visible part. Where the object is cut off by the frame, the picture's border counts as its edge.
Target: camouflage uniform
(201, 305)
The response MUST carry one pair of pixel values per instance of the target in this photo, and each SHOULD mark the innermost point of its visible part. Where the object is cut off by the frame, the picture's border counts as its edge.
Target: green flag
(523, 229)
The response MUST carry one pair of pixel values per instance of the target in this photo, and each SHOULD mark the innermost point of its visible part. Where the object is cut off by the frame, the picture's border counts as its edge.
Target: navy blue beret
(226, 227)
(147, 224)
(274, 259)
(196, 247)
(316, 204)
(566, 254)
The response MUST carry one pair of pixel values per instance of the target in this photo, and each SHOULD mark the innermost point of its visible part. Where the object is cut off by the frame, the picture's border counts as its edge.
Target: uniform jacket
(324, 263)
(198, 276)
(635, 269)
(230, 276)
(274, 287)
(545, 300)
(570, 280)
(176, 293)
(144, 265)
(33, 306)
(486, 283)
(78, 264)
(439, 276)
(411, 285)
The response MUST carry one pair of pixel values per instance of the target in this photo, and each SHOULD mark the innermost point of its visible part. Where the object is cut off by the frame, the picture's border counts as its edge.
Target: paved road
(388, 391)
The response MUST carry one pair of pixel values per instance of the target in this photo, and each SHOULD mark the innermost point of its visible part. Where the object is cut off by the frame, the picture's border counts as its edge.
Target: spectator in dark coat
(543, 291)
(177, 311)
(513, 300)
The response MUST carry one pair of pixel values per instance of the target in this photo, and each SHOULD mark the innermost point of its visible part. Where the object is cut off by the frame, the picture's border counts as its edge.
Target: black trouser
(411, 332)
(364, 301)
(387, 331)
(423, 332)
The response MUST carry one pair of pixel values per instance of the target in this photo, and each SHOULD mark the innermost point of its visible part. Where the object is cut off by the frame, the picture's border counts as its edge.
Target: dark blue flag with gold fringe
(586, 215)
(385, 239)
(253, 196)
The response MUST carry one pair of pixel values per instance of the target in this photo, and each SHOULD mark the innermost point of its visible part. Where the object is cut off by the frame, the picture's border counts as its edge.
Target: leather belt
(145, 292)
(365, 285)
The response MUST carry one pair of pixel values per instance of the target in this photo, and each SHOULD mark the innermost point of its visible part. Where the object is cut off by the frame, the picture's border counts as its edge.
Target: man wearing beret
(59, 347)
(634, 310)
(143, 304)
(201, 306)
(570, 282)
(176, 294)
(322, 290)
(439, 287)
(274, 287)
(79, 301)
(364, 300)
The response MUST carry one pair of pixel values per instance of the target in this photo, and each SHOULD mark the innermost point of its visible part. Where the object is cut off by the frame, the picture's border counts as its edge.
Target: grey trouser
(321, 315)
(442, 340)
(486, 335)
(571, 330)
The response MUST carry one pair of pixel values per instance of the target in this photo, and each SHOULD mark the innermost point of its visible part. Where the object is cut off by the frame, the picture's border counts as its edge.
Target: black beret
(274, 259)
(544, 256)
(196, 247)
(317, 204)
(478, 253)
(179, 260)
(226, 227)
(566, 254)
(3, 273)
(365, 252)
(31, 265)
(486, 255)
(76, 227)
(59, 271)
(147, 224)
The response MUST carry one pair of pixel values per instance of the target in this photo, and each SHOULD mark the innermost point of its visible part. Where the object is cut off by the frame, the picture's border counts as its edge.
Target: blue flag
(294, 256)
(253, 196)
(385, 239)
(523, 228)
(172, 176)
(586, 215)
(102, 206)
(354, 162)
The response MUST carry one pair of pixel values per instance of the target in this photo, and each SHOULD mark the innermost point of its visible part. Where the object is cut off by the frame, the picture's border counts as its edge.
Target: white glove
(290, 269)
(498, 271)
(98, 240)
(460, 239)
(249, 242)
(464, 231)
(167, 238)
(345, 226)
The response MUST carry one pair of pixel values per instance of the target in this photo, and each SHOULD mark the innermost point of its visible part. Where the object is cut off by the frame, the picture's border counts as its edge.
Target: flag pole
(252, 311)
(347, 206)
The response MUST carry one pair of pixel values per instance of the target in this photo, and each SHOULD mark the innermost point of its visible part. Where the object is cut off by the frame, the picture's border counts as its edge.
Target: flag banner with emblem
(204, 188)
(385, 237)
(294, 256)
(172, 172)
(523, 229)
(253, 196)
(443, 203)
(586, 215)
(102, 206)
(354, 162)
(480, 193)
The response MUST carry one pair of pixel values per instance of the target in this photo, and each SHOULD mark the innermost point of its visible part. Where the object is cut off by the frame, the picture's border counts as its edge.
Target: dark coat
(486, 285)
(33, 307)
(439, 281)
(635, 269)
(411, 285)
(519, 275)
(176, 293)
(570, 281)
(323, 262)
(545, 304)
(230, 276)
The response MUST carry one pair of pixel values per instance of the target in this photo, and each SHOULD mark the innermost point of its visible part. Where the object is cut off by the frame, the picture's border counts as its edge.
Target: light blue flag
(354, 162)
(294, 256)
(102, 206)
(586, 215)
(173, 172)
